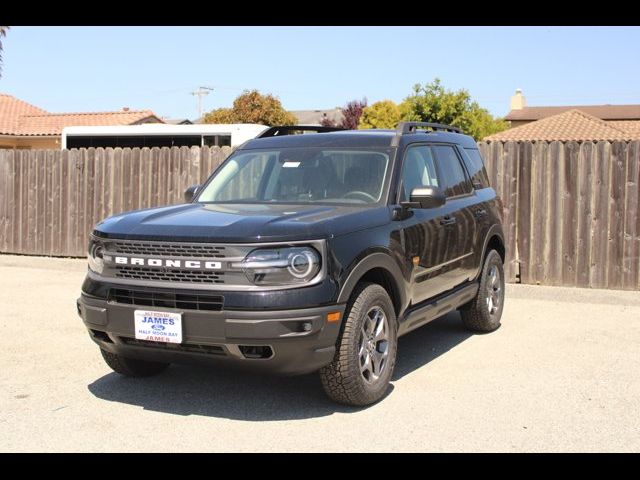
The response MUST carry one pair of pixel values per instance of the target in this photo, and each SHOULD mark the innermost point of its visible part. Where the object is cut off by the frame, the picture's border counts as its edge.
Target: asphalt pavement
(561, 374)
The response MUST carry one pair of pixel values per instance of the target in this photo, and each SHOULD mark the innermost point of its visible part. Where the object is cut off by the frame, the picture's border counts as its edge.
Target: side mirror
(190, 192)
(427, 197)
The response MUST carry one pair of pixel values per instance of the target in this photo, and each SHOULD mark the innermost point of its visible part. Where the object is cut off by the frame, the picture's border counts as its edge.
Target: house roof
(20, 118)
(571, 125)
(604, 112)
(11, 109)
(52, 124)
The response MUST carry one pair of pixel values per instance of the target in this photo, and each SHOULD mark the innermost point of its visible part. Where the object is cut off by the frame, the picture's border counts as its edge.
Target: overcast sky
(107, 68)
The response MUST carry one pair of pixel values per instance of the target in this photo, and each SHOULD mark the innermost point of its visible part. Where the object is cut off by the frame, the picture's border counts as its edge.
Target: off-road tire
(342, 379)
(475, 315)
(132, 367)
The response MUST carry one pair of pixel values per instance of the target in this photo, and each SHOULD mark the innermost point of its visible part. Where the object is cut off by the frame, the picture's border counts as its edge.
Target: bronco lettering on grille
(159, 262)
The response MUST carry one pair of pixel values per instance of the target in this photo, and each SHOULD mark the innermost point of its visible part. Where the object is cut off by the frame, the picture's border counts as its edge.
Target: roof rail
(291, 129)
(411, 127)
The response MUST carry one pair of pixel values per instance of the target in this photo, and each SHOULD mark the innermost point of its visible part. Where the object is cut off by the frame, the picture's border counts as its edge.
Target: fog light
(306, 326)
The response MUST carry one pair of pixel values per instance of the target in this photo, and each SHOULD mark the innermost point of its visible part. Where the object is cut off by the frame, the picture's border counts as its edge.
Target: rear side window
(452, 176)
(475, 165)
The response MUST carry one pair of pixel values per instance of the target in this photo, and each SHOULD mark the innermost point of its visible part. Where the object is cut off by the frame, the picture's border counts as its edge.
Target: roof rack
(411, 127)
(291, 129)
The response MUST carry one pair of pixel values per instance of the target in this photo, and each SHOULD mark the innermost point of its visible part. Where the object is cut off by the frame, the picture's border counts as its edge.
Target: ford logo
(158, 327)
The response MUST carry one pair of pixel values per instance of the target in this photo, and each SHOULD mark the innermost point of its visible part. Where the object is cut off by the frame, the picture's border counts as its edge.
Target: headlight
(96, 262)
(281, 266)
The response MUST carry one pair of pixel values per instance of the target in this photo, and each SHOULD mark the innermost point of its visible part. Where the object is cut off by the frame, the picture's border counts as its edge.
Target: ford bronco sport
(303, 253)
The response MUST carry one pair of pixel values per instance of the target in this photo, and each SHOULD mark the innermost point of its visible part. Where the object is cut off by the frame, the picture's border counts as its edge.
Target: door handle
(481, 212)
(448, 220)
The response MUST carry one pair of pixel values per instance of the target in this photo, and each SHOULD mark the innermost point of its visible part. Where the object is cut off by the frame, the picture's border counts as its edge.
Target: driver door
(425, 237)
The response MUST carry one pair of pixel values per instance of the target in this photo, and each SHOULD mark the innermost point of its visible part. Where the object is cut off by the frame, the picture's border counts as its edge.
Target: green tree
(382, 114)
(433, 103)
(3, 33)
(253, 107)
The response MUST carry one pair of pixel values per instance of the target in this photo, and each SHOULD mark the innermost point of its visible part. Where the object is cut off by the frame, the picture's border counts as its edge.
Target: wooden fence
(50, 200)
(571, 209)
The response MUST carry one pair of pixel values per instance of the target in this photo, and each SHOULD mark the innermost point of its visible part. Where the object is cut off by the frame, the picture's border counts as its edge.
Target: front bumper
(225, 337)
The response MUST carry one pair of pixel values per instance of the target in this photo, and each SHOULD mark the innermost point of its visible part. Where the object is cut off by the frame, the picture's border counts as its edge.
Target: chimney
(518, 102)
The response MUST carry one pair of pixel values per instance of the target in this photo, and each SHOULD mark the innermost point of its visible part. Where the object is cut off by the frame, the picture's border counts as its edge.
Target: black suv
(303, 253)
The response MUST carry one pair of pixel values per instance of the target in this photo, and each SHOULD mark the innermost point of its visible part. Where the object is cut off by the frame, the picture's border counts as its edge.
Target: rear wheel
(132, 367)
(484, 312)
(366, 351)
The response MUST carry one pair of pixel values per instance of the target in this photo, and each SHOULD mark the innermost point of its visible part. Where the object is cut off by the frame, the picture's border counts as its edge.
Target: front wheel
(366, 351)
(483, 313)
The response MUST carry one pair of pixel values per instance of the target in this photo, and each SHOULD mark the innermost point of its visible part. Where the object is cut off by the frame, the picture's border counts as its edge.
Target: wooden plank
(552, 272)
(30, 226)
(4, 200)
(569, 213)
(205, 163)
(163, 171)
(80, 197)
(175, 195)
(185, 168)
(127, 181)
(509, 164)
(65, 181)
(20, 206)
(105, 186)
(145, 177)
(137, 186)
(616, 215)
(584, 214)
(9, 156)
(523, 214)
(154, 167)
(630, 250)
(115, 158)
(48, 219)
(56, 201)
(600, 218)
(538, 214)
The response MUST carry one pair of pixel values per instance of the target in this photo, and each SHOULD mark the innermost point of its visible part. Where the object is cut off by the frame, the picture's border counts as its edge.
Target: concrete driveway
(561, 374)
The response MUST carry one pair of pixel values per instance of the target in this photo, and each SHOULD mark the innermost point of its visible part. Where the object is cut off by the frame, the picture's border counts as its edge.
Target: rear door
(459, 220)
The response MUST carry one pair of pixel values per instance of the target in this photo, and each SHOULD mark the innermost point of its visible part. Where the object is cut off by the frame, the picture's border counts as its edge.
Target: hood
(200, 222)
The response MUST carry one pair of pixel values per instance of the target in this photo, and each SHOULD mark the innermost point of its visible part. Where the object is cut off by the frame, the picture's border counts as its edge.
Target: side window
(418, 170)
(453, 179)
(476, 168)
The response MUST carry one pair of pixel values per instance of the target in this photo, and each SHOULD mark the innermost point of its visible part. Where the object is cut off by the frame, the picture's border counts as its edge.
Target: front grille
(186, 301)
(181, 347)
(169, 249)
(169, 275)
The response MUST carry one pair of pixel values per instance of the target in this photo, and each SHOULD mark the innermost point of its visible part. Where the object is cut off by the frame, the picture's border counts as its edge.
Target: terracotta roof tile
(572, 125)
(20, 118)
(631, 126)
(11, 109)
(604, 112)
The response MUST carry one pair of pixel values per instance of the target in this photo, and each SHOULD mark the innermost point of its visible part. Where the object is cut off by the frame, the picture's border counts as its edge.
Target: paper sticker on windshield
(290, 164)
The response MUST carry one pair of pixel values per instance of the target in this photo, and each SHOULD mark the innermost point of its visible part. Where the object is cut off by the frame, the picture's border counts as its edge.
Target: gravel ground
(561, 374)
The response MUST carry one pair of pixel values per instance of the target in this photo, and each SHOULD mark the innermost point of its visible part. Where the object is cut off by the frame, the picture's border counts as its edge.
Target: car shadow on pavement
(196, 390)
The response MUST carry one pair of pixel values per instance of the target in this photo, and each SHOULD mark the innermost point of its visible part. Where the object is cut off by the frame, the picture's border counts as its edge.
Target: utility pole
(201, 92)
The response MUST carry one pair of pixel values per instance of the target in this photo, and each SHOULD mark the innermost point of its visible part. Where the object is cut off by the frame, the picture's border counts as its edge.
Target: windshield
(300, 175)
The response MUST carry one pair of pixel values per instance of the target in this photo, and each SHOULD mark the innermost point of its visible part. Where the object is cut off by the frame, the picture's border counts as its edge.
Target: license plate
(158, 326)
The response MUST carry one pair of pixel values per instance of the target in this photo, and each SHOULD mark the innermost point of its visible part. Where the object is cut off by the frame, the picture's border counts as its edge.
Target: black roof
(357, 138)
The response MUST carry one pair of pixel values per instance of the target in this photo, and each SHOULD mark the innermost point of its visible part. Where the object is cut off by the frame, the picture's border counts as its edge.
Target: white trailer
(160, 135)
